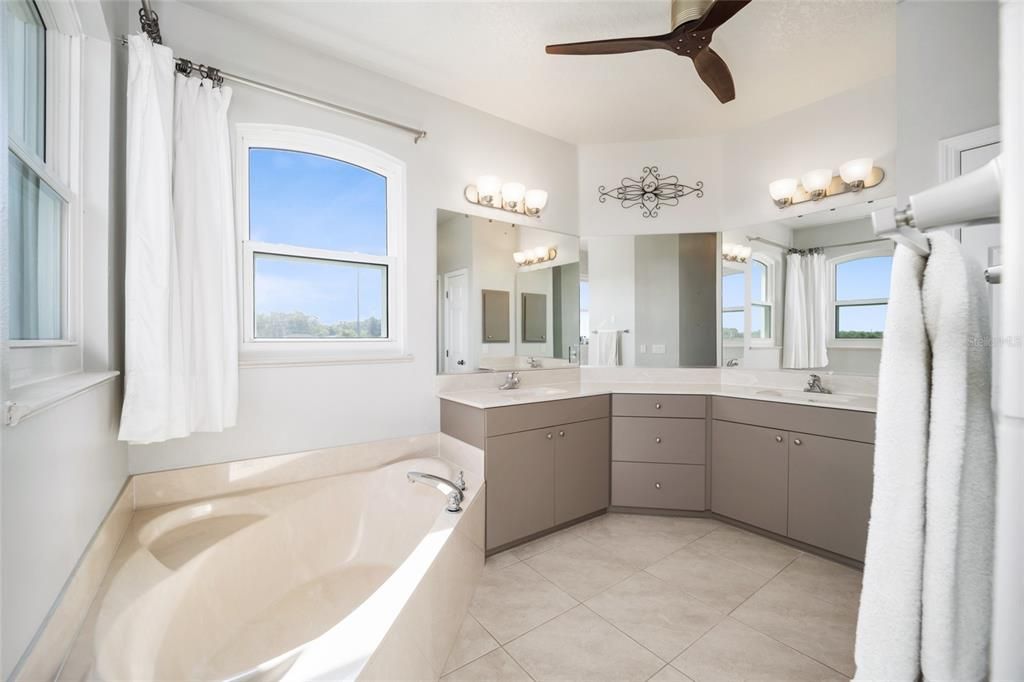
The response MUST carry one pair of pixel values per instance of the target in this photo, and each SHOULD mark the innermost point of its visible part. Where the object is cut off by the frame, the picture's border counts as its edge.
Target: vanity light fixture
(540, 254)
(513, 197)
(736, 253)
(854, 175)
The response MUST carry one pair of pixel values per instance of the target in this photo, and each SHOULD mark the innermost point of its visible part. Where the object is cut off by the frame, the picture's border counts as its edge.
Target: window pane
(758, 281)
(760, 321)
(860, 321)
(300, 298)
(316, 201)
(863, 278)
(732, 290)
(732, 325)
(25, 62)
(36, 248)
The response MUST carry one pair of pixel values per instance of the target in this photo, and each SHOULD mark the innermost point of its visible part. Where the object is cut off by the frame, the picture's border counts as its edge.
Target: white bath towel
(608, 347)
(889, 624)
(960, 497)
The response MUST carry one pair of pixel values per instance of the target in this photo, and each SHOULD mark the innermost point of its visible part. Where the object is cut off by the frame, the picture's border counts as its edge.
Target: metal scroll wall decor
(650, 192)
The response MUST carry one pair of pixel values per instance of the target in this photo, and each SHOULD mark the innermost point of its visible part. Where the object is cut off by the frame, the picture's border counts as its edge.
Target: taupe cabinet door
(520, 485)
(830, 483)
(582, 469)
(749, 474)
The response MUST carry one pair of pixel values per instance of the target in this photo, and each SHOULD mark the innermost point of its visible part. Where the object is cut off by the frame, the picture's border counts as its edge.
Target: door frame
(446, 316)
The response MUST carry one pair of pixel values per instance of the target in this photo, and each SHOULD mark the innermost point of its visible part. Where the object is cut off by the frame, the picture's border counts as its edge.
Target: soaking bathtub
(361, 575)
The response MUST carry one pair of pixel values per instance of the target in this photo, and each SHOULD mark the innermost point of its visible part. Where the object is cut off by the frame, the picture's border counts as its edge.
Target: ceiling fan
(694, 23)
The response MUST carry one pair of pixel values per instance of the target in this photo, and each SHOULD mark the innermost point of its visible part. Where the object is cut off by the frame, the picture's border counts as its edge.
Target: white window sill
(30, 399)
(272, 359)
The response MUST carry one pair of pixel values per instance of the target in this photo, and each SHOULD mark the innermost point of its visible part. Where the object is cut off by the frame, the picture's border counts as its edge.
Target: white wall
(493, 268)
(612, 277)
(284, 409)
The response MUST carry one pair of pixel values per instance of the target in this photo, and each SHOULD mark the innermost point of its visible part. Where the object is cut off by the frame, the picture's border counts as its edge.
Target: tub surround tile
(58, 632)
(713, 579)
(580, 645)
(472, 642)
(824, 579)
(513, 600)
(497, 666)
(823, 631)
(580, 568)
(462, 455)
(734, 651)
(213, 480)
(754, 552)
(657, 614)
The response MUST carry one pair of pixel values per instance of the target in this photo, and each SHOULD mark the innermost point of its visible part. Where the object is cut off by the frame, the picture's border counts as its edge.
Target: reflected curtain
(805, 336)
(181, 344)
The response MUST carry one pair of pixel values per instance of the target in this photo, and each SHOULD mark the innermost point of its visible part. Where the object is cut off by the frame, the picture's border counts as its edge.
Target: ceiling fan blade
(713, 70)
(719, 13)
(612, 46)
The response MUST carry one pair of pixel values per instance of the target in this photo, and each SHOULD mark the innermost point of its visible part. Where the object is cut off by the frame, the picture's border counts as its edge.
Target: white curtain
(181, 371)
(807, 300)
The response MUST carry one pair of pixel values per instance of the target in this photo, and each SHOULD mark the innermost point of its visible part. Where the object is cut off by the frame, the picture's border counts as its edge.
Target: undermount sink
(823, 398)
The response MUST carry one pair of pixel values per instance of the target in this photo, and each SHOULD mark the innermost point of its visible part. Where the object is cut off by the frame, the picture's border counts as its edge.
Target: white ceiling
(783, 54)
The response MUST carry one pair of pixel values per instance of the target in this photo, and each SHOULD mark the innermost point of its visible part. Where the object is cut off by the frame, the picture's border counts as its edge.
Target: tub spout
(455, 495)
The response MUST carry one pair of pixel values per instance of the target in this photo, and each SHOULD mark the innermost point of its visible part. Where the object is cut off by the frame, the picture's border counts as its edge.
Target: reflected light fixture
(540, 254)
(854, 175)
(736, 253)
(513, 197)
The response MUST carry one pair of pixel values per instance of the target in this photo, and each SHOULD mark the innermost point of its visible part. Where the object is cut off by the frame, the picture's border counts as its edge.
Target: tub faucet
(533, 362)
(511, 381)
(455, 495)
(814, 385)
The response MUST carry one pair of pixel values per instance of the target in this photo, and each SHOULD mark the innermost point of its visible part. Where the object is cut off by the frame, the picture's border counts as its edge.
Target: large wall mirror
(801, 293)
(508, 296)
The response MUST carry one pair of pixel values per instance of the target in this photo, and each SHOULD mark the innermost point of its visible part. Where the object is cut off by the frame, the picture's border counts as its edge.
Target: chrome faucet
(511, 381)
(533, 362)
(814, 385)
(733, 362)
(452, 490)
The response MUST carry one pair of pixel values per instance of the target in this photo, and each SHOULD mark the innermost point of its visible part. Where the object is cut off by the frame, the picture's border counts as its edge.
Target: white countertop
(484, 398)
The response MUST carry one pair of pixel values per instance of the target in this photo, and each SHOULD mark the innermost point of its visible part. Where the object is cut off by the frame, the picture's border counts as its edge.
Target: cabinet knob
(658, 486)
(561, 434)
(657, 406)
(550, 436)
(658, 439)
(778, 439)
(797, 441)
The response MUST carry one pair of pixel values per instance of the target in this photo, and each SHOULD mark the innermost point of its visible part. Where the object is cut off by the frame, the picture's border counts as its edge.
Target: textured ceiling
(783, 54)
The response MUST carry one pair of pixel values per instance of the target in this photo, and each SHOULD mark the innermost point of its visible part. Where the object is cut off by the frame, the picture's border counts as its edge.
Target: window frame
(770, 267)
(265, 351)
(881, 250)
(61, 168)
(735, 342)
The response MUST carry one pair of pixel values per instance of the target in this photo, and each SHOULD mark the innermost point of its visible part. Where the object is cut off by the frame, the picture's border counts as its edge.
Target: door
(582, 469)
(749, 474)
(456, 321)
(520, 475)
(830, 483)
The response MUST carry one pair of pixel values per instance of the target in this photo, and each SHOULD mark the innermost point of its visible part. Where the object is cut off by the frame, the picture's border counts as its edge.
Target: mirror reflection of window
(861, 297)
(760, 301)
(732, 306)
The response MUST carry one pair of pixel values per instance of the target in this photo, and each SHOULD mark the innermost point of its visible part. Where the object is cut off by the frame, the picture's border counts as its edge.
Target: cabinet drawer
(549, 413)
(658, 486)
(822, 421)
(650, 439)
(626, 405)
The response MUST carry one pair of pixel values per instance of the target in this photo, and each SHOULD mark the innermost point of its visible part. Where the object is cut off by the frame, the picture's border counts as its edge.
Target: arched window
(322, 225)
(860, 298)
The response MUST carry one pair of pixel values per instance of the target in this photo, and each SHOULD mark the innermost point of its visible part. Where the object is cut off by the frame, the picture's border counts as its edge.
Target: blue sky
(315, 201)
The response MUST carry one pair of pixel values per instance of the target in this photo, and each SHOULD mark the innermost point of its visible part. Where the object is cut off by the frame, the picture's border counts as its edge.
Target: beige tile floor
(630, 597)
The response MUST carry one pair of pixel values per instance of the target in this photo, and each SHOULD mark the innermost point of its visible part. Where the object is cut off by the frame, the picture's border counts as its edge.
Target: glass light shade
(519, 257)
(782, 188)
(817, 180)
(488, 185)
(745, 252)
(536, 199)
(857, 170)
(512, 192)
(540, 253)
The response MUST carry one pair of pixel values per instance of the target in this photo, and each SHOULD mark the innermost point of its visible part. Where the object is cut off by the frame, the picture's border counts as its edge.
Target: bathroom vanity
(796, 471)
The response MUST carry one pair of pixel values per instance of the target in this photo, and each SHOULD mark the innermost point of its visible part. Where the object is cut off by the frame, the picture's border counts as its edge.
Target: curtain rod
(828, 246)
(150, 22)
